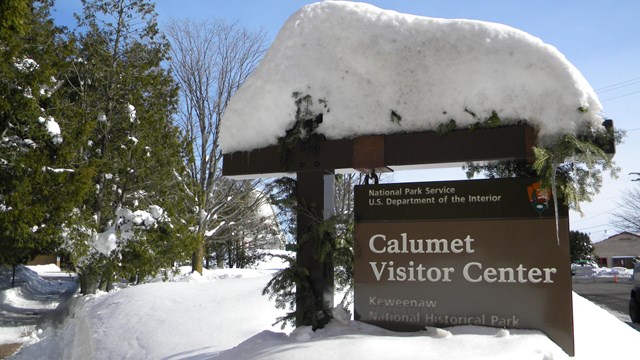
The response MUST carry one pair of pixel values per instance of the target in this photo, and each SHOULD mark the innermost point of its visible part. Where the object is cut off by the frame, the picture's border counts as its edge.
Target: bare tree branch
(210, 61)
(627, 216)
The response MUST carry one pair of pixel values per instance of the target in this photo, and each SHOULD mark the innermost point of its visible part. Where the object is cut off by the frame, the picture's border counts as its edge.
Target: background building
(618, 250)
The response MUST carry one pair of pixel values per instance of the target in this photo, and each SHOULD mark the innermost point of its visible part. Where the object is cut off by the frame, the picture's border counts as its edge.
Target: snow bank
(169, 320)
(221, 315)
(226, 318)
(597, 335)
(360, 63)
(615, 271)
(362, 341)
(594, 272)
(45, 269)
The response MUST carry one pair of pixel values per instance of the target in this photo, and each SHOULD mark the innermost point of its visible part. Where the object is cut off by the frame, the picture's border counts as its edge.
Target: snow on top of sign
(361, 64)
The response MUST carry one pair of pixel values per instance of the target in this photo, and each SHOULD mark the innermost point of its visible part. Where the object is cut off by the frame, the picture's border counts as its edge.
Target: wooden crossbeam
(394, 151)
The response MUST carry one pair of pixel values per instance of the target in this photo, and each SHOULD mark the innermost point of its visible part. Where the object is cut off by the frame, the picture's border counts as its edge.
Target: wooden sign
(483, 252)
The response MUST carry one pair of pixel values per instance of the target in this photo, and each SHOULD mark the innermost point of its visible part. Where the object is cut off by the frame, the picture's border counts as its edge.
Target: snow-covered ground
(38, 289)
(222, 315)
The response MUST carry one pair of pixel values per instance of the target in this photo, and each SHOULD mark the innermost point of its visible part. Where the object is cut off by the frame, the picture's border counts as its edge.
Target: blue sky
(601, 38)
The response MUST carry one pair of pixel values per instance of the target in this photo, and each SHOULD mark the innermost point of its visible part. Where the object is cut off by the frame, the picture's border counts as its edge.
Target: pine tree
(39, 184)
(580, 246)
(122, 100)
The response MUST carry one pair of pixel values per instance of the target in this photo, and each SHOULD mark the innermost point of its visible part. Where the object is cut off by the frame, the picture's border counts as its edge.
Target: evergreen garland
(574, 166)
(577, 180)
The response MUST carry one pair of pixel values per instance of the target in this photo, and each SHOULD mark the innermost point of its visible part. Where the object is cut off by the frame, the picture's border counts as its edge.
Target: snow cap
(373, 71)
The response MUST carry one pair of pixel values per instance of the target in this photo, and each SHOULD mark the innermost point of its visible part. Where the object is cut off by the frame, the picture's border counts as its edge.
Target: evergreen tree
(39, 184)
(282, 194)
(123, 101)
(580, 246)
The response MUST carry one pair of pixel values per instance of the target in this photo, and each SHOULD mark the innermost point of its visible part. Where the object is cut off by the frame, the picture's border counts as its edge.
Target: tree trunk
(106, 277)
(13, 276)
(198, 255)
(88, 283)
(106, 281)
(220, 259)
(109, 282)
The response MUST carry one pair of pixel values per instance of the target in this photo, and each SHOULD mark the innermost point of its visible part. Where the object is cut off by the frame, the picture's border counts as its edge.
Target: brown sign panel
(482, 252)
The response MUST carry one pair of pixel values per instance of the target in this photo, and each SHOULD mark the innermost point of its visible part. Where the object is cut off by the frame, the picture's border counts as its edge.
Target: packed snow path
(38, 291)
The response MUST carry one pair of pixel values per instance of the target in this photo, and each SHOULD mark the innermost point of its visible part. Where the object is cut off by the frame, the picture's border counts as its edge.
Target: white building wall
(620, 246)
